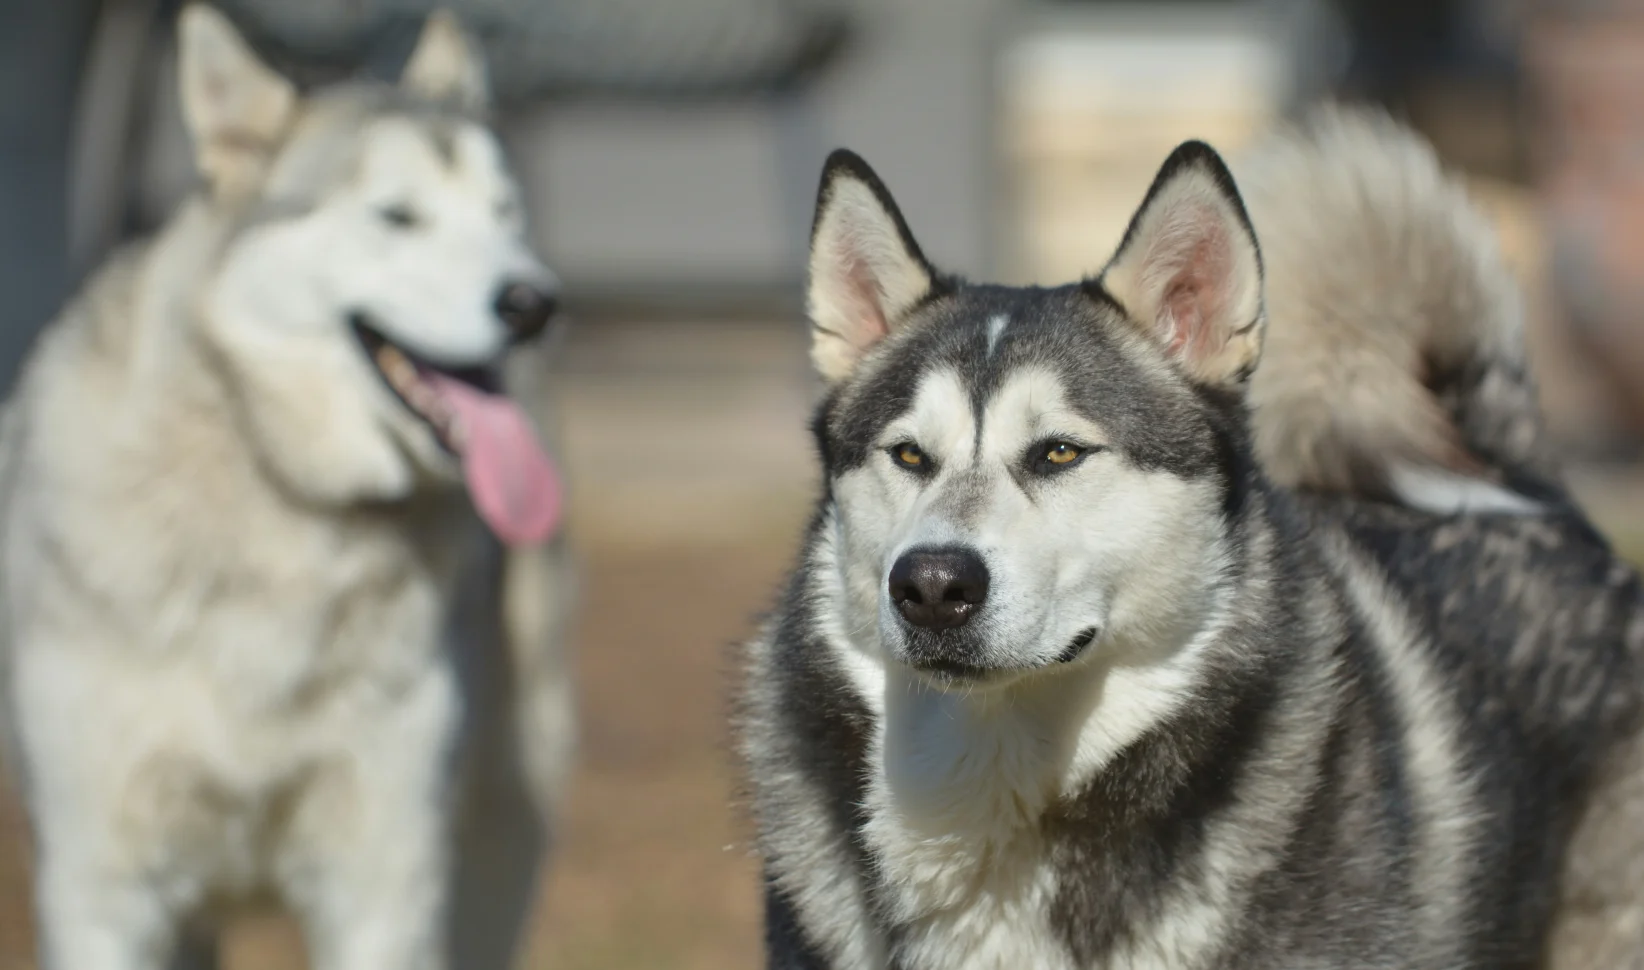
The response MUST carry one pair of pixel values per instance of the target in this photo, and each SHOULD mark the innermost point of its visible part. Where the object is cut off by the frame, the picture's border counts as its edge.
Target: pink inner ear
(1196, 299)
(868, 303)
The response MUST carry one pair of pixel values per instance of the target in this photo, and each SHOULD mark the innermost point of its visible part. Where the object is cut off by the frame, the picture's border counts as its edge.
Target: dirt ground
(690, 469)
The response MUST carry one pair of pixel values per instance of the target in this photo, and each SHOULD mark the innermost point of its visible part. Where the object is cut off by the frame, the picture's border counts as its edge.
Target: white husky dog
(256, 640)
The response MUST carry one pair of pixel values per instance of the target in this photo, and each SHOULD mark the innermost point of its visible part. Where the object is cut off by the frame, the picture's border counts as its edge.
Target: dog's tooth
(402, 374)
(389, 358)
(396, 367)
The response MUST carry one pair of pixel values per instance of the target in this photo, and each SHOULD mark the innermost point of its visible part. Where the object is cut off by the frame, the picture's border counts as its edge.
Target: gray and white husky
(1117, 642)
(255, 637)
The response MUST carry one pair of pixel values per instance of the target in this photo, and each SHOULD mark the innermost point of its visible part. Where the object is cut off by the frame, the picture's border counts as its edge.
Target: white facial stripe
(996, 329)
(939, 421)
(1028, 408)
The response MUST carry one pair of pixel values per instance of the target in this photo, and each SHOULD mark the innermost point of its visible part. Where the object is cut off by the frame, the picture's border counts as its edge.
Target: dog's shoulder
(98, 321)
(1534, 610)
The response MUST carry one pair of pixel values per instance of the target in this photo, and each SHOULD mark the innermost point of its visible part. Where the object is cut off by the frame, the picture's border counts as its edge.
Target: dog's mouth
(423, 386)
(956, 672)
(1077, 646)
(949, 672)
(514, 485)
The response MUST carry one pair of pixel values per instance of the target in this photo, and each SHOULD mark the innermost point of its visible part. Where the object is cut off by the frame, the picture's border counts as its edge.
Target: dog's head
(1026, 479)
(374, 278)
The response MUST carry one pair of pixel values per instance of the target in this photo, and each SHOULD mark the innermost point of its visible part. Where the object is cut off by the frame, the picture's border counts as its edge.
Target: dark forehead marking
(441, 121)
(331, 146)
(440, 124)
(442, 131)
(327, 152)
(1154, 416)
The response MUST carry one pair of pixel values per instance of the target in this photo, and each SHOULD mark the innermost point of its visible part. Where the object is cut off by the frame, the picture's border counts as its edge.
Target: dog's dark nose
(524, 308)
(939, 589)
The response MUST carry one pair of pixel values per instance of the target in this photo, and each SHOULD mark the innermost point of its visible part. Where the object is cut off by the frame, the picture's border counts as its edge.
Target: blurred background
(669, 150)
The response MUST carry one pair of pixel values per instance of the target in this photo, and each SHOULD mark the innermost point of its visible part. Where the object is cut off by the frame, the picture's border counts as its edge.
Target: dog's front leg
(108, 886)
(382, 927)
(373, 896)
(365, 858)
(91, 920)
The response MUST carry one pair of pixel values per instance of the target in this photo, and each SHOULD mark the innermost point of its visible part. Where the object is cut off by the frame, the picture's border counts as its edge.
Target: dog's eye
(908, 455)
(1061, 453)
(1056, 456)
(400, 216)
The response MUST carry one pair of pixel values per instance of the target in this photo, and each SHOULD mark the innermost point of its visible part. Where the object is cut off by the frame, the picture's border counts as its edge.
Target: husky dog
(1110, 648)
(256, 639)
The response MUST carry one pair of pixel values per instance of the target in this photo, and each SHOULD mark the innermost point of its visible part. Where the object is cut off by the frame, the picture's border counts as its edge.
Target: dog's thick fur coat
(256, 641)
(1146, 623)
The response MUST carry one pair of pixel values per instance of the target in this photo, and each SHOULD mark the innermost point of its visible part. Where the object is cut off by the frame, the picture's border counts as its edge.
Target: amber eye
(1061, 453)
(908, 455)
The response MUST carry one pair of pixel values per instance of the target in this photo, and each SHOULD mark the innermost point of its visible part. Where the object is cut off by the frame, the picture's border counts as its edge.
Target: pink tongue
(510, 478)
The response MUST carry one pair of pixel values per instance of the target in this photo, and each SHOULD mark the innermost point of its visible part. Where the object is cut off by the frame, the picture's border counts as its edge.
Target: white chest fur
(954, 794)
(957, 786)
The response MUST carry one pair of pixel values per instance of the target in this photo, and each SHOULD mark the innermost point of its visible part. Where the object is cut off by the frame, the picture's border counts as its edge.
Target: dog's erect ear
(236, 108)
(447, 65)
(1189, 271)
(866, 271)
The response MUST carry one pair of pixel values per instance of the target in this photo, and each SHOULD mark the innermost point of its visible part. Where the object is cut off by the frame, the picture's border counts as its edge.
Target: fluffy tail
(1394, 358)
